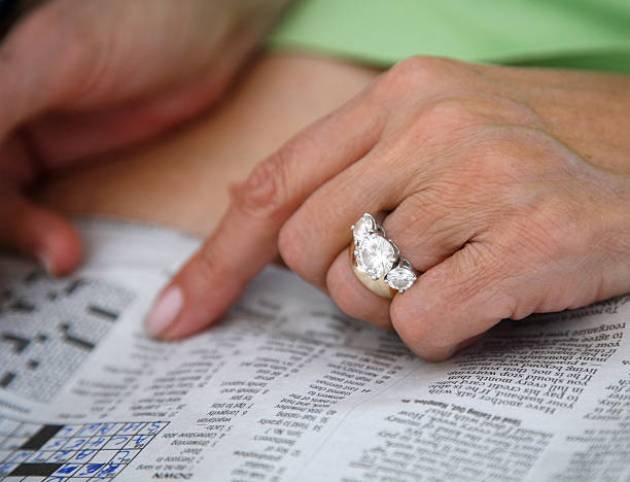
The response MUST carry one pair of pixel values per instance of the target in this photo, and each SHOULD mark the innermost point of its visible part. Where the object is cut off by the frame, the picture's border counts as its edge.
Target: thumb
(246, 238)
(39, 233)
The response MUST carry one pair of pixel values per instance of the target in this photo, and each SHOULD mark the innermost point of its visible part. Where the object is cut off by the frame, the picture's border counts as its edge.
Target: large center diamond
(375, 255)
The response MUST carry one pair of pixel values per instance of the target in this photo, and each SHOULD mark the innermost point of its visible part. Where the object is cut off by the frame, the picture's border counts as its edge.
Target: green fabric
(568, 33)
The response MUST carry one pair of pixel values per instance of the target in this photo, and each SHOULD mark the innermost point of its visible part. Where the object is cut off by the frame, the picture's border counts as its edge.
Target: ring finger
(425, 236)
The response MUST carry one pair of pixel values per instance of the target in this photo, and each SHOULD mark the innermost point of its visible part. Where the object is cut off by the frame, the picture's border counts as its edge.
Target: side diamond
(401, 278)
(365, 226)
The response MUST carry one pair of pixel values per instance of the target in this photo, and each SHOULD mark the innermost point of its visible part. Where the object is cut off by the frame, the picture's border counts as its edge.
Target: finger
(352, 297)
(246, 239)
(431, 225)
(312, 238)
(458, 299)
(426, 232)
(41, 234)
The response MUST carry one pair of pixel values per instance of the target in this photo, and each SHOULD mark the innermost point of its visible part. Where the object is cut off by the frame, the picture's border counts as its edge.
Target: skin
(81, 78)
(509, 188)
(181, 179)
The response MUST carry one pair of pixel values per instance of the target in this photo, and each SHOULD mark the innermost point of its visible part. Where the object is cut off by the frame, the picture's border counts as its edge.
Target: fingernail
(45, 262)
(164, 311)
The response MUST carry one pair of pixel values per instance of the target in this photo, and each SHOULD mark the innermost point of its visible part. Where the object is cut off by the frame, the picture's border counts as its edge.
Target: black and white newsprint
(286, 388)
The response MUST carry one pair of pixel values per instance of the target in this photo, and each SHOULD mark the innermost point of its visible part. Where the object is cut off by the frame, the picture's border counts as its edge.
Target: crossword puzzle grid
(49, 327)
(32, 452)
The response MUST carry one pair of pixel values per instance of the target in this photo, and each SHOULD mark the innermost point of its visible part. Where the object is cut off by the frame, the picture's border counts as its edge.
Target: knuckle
(408, 68)
(414, 72)
(269, 190)
(422, 67)
(264, 193)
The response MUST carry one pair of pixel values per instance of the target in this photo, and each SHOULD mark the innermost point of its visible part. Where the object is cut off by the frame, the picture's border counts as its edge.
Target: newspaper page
(287, 388)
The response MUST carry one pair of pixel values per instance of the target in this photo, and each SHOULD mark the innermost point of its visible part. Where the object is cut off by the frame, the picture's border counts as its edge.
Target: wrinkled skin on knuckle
(262, 195)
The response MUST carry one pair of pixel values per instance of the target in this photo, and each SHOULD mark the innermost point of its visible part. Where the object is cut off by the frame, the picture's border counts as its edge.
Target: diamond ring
(376, 260)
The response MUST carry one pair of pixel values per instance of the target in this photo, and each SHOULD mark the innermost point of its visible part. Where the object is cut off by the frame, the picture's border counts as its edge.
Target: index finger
(246, 238)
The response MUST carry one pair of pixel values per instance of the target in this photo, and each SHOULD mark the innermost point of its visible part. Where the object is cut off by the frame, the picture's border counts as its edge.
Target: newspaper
(287, 388)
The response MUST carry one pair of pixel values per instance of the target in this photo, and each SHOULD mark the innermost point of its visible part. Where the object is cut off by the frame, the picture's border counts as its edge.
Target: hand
(509, 189)
(82, 77)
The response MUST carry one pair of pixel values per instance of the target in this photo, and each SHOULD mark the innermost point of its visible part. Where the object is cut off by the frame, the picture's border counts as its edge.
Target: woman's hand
(508, 188)
(82, 77)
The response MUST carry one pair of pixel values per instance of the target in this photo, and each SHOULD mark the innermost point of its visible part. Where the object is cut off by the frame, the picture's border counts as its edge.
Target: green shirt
(588, 34)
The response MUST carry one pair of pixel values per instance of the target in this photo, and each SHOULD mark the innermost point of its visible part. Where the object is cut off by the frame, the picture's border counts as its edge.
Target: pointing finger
(246, 239)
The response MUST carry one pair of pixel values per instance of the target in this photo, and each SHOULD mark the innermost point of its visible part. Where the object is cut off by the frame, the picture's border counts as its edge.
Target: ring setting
(376, 260)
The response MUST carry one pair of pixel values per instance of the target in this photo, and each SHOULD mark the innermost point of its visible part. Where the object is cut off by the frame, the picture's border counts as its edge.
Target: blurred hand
(82, 77)
(509, 189)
